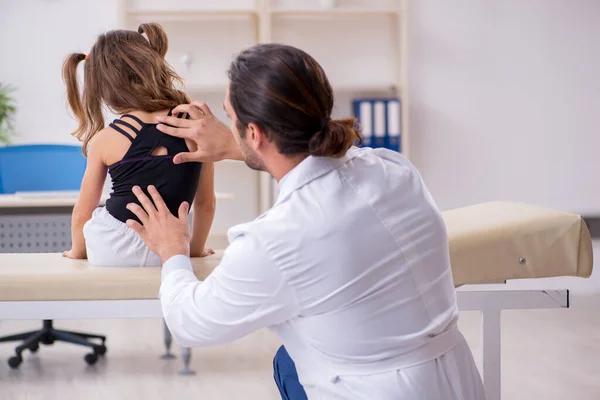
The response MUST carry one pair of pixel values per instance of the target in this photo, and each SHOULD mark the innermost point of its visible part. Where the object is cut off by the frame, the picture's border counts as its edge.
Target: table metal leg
(186, 356)
(168, 341)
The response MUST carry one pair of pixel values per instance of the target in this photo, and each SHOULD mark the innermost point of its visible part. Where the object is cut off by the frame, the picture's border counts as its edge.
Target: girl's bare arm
(203, 211)
(89, 197)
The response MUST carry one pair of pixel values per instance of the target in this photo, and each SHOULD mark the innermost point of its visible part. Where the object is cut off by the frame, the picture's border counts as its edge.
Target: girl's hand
(207, 252)
(201, 253)
(75, 255)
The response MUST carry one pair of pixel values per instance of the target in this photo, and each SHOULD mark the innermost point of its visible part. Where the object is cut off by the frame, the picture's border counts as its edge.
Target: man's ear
(255, 135)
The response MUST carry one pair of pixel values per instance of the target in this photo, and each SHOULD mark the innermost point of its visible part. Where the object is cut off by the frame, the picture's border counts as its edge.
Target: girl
(127, 73)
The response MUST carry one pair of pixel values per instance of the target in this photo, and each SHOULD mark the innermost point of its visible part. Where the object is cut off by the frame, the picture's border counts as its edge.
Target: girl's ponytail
(69, 72)
(156, 37)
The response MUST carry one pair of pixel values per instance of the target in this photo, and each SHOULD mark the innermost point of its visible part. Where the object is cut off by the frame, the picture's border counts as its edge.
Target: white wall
(35, 38)
(505, 100)
(504, 104)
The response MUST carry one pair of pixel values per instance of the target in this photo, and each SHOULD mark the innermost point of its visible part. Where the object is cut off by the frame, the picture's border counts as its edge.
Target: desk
(40, 222)
(41, 200)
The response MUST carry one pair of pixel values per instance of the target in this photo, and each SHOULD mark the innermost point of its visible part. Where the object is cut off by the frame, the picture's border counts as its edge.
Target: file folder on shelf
(393, 125)
(381, 122)
(363, 111)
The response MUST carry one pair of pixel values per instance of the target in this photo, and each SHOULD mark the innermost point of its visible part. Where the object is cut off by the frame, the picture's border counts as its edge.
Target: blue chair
(41, 167)
(35, 168)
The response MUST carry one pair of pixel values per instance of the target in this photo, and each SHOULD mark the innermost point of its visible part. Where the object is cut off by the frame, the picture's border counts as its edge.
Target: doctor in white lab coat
(350, 267)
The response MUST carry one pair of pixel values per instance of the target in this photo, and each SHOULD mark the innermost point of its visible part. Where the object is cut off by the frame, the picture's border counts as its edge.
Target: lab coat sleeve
(246, 292)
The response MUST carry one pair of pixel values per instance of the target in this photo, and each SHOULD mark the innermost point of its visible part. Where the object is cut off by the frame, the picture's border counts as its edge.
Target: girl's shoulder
(102, 133)
(109, 145)
(102, 137)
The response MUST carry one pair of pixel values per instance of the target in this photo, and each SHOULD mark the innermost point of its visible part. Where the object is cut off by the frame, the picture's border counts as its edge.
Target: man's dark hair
(286, 93)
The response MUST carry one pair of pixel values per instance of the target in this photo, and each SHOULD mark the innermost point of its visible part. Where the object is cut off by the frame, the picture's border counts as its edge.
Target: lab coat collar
(308, 170)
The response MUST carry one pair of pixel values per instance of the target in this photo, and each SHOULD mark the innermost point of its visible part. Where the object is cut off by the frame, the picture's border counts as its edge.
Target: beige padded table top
(489, 243)
(497, 241)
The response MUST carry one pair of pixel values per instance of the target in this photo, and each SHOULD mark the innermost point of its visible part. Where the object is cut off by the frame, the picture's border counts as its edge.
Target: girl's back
(127, 73)
(148, 160)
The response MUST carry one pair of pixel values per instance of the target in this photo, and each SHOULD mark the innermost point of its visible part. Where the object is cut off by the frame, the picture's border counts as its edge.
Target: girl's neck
(146, 116)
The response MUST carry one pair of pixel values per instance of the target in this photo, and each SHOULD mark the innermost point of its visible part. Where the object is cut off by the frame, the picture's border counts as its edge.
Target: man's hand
(214, 140)
(165, 234)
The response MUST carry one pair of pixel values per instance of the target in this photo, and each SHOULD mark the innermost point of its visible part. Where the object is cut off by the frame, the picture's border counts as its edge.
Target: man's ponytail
(336, 137)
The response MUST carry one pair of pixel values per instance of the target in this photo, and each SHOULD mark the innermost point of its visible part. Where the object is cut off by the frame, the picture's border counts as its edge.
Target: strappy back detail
(122, 131)
(139, 121)
(136, 119)
(147, 141)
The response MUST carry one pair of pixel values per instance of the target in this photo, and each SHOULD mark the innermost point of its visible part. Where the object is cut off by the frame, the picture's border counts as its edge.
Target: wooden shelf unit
(334, 12)
(192, 14)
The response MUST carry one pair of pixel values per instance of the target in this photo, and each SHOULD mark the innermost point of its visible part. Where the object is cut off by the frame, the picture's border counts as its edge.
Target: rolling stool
(48, 335)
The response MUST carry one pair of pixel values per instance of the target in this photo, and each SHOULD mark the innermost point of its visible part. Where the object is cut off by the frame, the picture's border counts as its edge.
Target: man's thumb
(182, 158)
(183, 210)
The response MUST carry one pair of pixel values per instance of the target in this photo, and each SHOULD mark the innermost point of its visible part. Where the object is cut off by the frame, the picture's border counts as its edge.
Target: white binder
(379, 131)
(365, 116)
(394, 125)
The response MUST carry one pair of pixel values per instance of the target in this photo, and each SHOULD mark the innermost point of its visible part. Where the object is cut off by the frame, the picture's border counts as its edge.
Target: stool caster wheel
(100, 350)
(34, 348)
(15, 361)
(168, 356)
(186, 371)
(91, 358)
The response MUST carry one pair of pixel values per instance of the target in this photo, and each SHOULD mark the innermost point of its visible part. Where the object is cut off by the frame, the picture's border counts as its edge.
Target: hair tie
(325, 122)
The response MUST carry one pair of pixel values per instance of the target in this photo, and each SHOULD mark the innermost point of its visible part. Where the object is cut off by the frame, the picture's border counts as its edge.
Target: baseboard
(593, 224)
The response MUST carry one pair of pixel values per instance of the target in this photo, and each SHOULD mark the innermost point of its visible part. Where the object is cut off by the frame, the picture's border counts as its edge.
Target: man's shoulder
(380, 152)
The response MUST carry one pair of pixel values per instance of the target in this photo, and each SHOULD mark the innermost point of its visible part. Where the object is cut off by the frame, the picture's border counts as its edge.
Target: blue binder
(381, 122)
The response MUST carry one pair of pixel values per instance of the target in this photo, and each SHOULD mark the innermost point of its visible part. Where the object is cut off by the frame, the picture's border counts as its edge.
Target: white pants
(111, 243)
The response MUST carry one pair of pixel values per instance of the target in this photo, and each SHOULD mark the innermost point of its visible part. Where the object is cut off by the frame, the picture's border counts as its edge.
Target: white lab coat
(350, 268)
